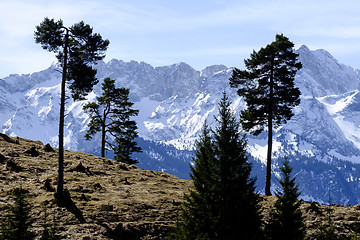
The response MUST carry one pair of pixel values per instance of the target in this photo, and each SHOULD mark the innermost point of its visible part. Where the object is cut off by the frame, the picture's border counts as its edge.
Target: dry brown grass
(144, 203)
(140, 199)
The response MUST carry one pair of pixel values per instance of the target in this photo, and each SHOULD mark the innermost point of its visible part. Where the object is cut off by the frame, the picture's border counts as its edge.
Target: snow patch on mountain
(337, 103)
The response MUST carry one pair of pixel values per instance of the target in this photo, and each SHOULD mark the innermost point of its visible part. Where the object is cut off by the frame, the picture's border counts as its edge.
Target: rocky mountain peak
(323, 75)
(212, 70)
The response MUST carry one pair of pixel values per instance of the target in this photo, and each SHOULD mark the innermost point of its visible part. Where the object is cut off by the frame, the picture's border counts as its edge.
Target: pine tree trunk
(270, 126)
(103, 129)
(268, 162)
(103, 140)
(60, 180)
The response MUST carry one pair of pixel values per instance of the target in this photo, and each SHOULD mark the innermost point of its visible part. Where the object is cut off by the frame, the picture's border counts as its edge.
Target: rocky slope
(143, 204)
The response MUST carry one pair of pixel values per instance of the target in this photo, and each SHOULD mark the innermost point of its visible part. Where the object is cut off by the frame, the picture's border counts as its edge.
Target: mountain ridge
(175, 100)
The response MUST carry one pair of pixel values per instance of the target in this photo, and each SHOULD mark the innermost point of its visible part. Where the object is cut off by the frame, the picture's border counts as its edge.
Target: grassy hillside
(143, 204)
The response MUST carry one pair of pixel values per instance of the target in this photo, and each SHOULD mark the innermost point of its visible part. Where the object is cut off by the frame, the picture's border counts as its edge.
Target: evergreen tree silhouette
(286, 221)
(268, 88)
(327, 230)
(199, 215)
(223, 204)
(110, 114)
(18, 222)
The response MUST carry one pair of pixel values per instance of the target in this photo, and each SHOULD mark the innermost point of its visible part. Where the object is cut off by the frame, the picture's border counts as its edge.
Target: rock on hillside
(143, 204)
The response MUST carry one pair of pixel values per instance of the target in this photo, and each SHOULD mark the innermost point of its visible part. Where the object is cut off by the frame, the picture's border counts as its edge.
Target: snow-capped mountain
(322, 140)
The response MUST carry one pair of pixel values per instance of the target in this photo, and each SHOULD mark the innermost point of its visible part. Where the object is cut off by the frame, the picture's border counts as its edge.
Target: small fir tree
(49, 229)
(355, 229)
(18, 222)
(223, 204)
(327, 231)
(286, 221)
(49, 233)
(110, 114)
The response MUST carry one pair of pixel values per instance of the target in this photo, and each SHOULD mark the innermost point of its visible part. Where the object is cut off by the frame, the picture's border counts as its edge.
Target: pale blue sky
(200, 33)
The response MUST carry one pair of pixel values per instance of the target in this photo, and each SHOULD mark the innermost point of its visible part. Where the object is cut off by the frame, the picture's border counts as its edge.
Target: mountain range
(322, 140)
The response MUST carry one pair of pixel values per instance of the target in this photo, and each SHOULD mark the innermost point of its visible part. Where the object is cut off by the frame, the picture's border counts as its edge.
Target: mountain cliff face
(322, 140)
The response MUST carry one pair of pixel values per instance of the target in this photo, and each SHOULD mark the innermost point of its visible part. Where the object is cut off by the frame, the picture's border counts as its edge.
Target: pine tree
(239, 216)
(267, 86)
(199, 215)
(18, 222)
(223, 204)
(286, 221)
(110, 114)
(49, 229)
(76, 48)
(327, 230)
(49, 233)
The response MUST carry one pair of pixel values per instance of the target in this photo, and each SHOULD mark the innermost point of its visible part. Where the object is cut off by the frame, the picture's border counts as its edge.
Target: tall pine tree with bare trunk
(76, 48)
(268, 88)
